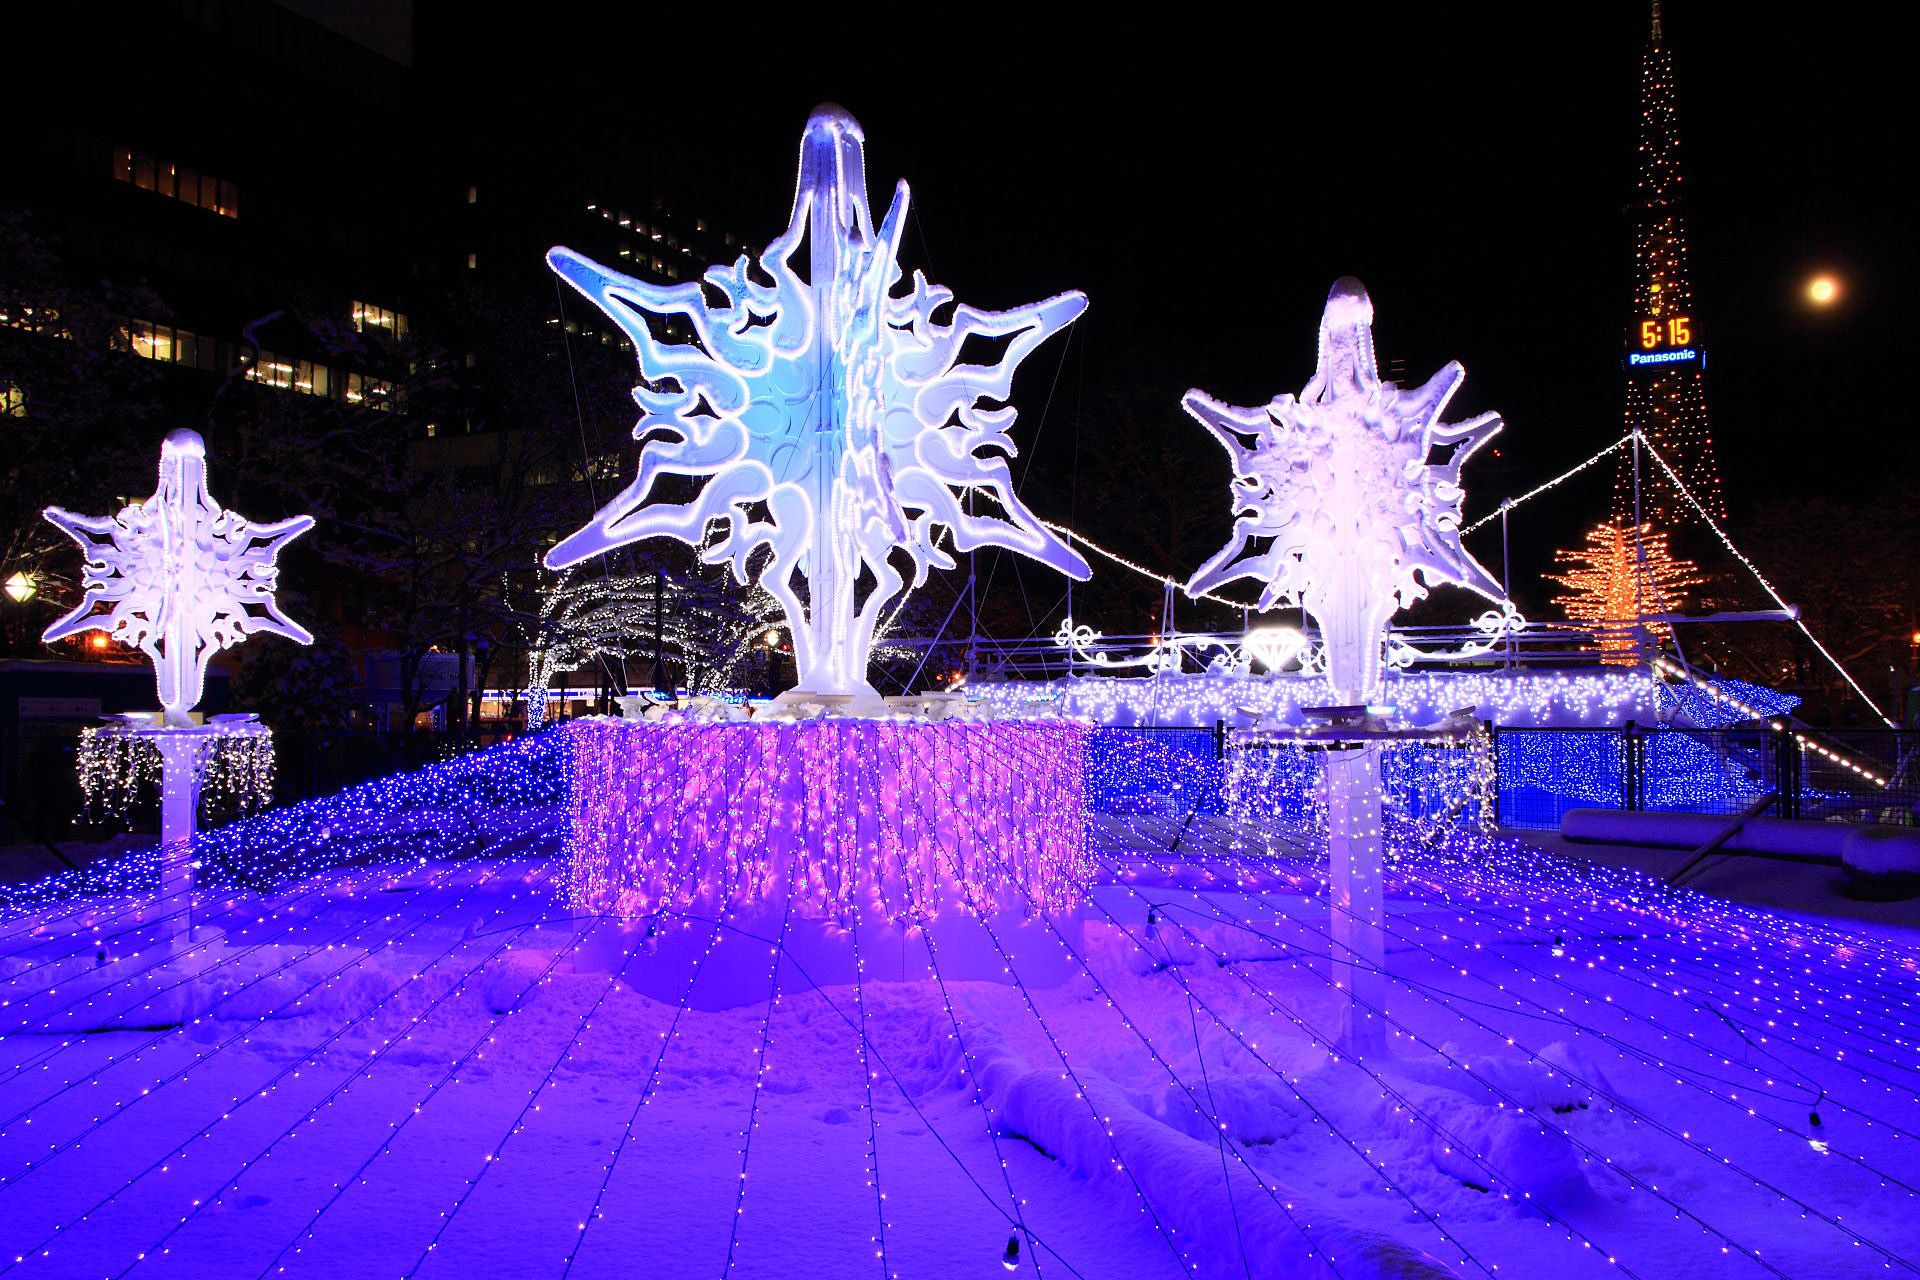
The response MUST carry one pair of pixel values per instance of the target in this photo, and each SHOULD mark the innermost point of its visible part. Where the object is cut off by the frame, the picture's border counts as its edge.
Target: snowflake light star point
(826, 412)
(1338, 505)
(182, 576)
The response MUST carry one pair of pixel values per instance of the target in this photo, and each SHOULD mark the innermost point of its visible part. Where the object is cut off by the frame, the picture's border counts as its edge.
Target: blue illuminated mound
(505, 799)
(1166, 772)
(1703, 710)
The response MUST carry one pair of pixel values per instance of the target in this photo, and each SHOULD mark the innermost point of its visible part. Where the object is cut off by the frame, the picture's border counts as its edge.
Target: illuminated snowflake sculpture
(829, 418)
(184, 577)
(1339, 509)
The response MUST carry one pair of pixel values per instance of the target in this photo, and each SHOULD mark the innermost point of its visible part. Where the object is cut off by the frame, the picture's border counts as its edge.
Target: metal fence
(1842, 775)
(1847, 775)
(1165, 769)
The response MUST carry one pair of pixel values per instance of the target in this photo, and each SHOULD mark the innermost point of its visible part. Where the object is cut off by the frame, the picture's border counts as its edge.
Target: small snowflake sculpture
(184, 577)
(831, 420)
(1339, 509)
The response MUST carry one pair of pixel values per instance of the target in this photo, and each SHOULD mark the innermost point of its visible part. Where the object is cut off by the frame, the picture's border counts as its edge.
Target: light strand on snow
(185, 984)
(1326, 1039)
(906, 1095)
(1696, 1074)
(866, 1084)
(1319, 1114)
(667, 1038)
(1080, 1091)
(493, 1158)
(163, 1163)
(489, 1035)
(1735, 931)
(1640, 1117)
(777, 950)
(1695, 1077)
(1015, 1211)
(165, 951)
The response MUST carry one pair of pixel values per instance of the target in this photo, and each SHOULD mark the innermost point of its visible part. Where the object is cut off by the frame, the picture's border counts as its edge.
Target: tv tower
(1665, 361)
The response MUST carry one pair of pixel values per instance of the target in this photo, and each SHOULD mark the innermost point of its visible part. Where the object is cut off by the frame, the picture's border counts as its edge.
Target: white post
(1356, 896)
(179, 809)
(1354, 625)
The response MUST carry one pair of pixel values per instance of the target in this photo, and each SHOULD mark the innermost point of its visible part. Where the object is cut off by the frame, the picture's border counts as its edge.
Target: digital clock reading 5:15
(1675, 331)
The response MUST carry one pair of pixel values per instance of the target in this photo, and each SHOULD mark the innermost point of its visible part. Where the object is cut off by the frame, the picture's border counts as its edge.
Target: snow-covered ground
(430, 1068)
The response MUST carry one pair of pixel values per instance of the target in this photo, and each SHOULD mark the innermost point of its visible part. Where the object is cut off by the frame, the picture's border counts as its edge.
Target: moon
(1822, 290)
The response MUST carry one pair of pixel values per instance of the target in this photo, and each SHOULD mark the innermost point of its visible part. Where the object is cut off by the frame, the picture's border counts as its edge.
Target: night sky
(1204, 181)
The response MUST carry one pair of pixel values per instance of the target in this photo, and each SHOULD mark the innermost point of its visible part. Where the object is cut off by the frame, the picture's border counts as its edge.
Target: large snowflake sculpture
(1338, 506)
(185, 578)
(830, 418)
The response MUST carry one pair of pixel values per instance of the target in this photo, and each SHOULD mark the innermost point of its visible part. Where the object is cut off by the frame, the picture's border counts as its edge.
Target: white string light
(1537, 490)
(1761, 578)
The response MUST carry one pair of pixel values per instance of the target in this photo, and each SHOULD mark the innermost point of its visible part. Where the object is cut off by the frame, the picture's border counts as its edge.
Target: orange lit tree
(1618, 578)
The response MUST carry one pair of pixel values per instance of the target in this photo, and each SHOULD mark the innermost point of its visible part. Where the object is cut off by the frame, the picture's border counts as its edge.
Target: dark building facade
(302, 239)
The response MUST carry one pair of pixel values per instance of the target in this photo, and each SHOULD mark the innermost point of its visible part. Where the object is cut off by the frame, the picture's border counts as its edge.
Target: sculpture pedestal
(1356, 898)
(114, 765)
(1353, 741)
(893, 819)
(182, 767)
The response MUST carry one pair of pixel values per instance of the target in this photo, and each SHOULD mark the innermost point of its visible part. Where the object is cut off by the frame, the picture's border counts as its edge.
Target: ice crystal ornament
(1339, 508)
(826, 414)
(183, 577)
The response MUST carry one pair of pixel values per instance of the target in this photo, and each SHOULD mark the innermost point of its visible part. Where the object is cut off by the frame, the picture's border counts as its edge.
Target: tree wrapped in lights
(709, 628)
(829, 419)
(1618, 578)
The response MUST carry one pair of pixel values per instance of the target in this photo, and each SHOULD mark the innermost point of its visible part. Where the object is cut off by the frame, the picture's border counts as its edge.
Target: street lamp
(22, 586)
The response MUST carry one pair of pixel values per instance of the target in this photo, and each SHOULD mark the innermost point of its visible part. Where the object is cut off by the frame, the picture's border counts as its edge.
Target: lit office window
(169, 345)
(13, 401)
(177, 182)
(368, 318)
